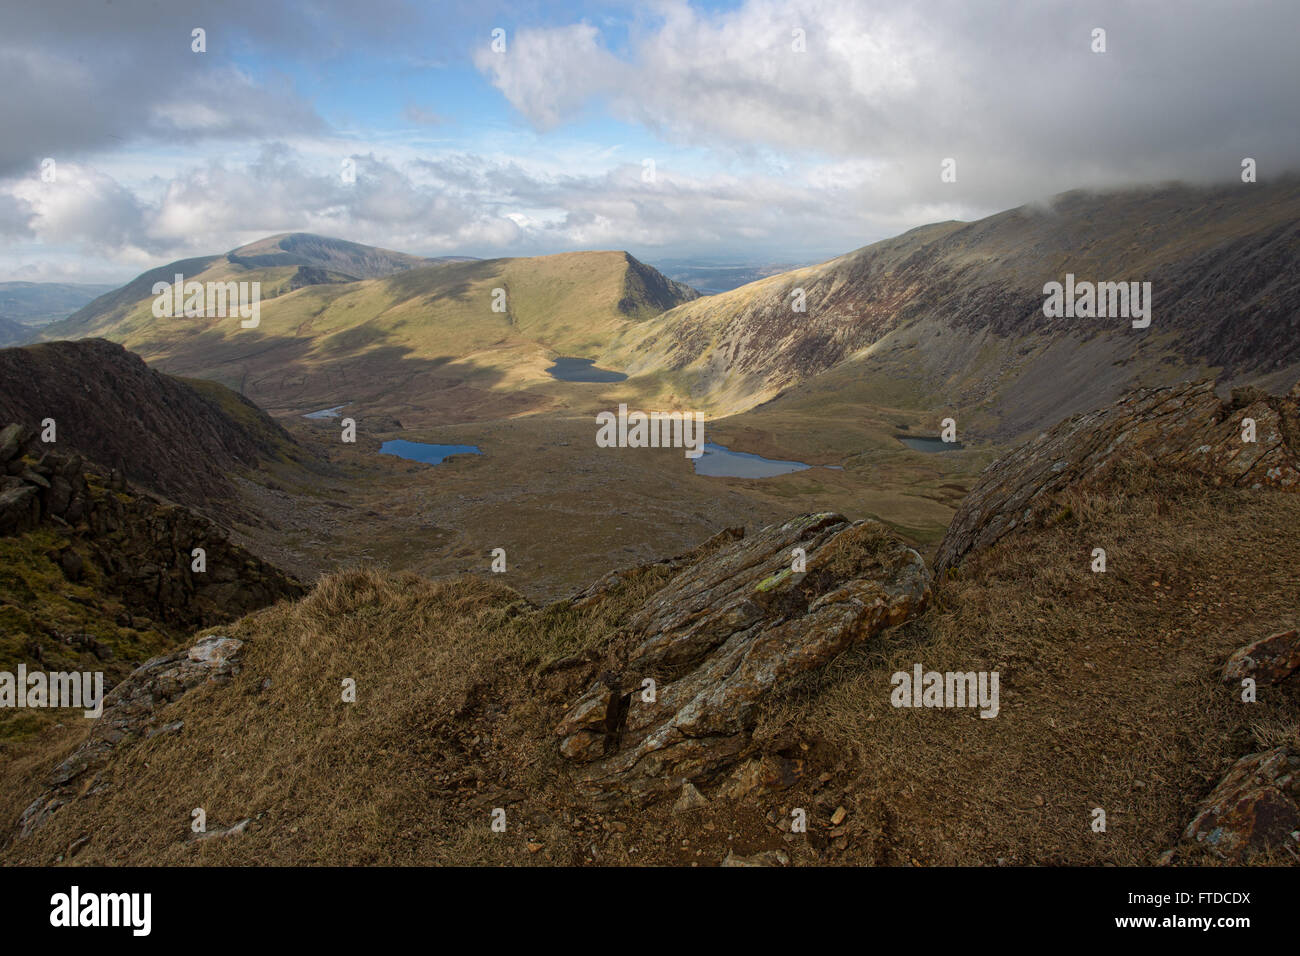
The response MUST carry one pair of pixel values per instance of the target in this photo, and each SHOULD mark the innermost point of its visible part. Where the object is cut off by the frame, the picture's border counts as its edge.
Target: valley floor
(568, 512)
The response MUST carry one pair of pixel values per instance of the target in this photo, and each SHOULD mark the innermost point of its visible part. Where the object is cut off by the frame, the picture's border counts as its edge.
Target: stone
(72, 564)
(1255, 807)
(720, 636)
(1269, 660)
(691, 799)
(20, 509)
(12, 439)
(237, 829)
(763, 858)
(59, 496)
(133, 711)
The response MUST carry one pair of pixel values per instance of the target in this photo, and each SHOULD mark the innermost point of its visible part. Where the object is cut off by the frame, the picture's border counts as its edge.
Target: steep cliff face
(99, 574)
(181, 439)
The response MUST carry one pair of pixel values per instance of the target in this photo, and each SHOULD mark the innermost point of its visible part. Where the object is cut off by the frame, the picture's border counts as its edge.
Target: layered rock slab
(1182, 426)
(721, 635)
(1269, 660)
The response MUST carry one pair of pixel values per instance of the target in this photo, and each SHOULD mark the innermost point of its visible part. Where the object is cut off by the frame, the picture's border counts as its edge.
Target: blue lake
(421, 451)
(719, 461)
(582, 370)
(930, 444)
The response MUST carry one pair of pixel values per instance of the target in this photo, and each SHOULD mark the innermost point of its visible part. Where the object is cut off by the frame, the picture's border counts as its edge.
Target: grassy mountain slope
(460, 685)
(956, 308)
(279, 262)
(407, 339)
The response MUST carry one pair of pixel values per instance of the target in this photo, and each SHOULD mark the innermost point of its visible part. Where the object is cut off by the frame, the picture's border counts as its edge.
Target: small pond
(582, 370)
(421, 451)
(929, 444)
(719, 461)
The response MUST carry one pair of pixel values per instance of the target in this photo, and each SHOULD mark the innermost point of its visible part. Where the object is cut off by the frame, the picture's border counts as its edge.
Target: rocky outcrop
(1267, 661)
(131, 712)
(141, 547)
(1254, 809)
(647, 291)
(1183, 426)
(720, 636)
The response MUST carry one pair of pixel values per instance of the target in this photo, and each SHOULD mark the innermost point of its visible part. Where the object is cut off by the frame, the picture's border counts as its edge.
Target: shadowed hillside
(183, 439)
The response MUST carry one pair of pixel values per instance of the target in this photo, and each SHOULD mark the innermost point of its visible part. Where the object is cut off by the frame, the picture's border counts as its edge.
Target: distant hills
(711, 277)
(344, 321)
(282, 263)
(25, 306)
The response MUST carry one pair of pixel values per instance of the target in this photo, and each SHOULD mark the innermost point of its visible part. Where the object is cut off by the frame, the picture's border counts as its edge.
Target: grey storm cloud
(81, 77)
(1013, 91)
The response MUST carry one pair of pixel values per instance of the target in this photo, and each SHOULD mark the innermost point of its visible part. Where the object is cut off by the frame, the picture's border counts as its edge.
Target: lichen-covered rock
(1254, 809)
(1181, 426)
(12, 438)
(721, 635)
(133, 710)
(1267, 661)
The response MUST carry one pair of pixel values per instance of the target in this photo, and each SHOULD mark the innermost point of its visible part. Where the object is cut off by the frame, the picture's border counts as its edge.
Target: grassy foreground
(1110, 699)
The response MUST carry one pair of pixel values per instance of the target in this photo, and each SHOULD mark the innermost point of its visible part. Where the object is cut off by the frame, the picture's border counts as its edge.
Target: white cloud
(1013, 91)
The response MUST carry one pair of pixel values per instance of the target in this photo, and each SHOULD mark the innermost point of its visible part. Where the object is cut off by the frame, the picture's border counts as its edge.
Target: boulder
(20, 509)
(1254, 808)
(12, 439)
(1269, 660)
(720, 636)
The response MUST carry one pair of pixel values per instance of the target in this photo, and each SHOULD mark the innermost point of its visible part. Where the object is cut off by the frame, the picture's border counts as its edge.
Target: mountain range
(952, 311)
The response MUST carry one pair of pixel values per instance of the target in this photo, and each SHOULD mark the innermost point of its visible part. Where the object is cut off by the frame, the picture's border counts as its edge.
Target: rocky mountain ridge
(76, 536)
(181, 439)
(958, 307)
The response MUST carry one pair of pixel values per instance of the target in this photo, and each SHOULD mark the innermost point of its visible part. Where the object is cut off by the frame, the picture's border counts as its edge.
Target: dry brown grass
(1109, 696)
(1109, 699)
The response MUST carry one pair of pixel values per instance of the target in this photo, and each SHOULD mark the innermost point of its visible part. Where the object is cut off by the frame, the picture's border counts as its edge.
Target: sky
(747, 132)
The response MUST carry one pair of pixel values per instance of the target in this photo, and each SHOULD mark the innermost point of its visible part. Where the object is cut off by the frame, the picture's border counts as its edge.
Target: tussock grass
(1109, 689)
(1109, 698)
